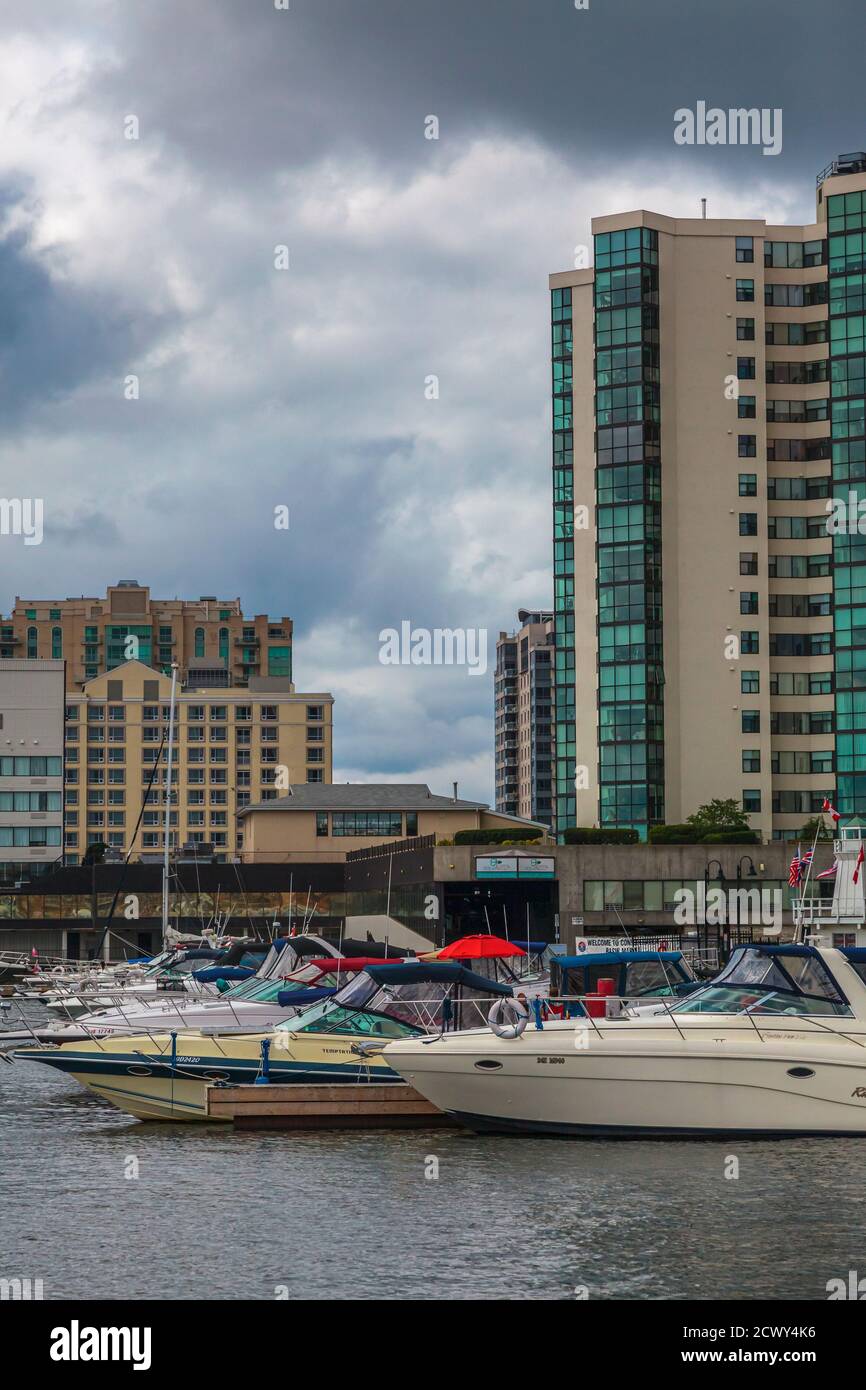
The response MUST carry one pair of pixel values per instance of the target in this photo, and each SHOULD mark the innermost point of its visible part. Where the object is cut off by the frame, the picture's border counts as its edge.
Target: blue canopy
(223, 972)
(532, 945)
(446, 972)
(304, 996)
(614, 958)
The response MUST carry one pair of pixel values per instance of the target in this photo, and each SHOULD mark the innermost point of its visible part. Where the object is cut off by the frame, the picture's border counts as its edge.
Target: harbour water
(215, 1214)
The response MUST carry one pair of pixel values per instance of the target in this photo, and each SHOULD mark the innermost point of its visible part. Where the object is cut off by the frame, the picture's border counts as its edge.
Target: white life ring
(507, 1018)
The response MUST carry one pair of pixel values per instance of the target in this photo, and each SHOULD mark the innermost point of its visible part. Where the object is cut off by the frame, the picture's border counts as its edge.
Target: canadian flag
(860, 858)
(830, 810)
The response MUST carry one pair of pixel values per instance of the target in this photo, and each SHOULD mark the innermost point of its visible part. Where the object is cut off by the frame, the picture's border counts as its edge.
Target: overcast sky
(408, 258)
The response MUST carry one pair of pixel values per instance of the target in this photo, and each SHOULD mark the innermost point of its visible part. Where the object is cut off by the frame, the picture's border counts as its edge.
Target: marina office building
(708, 382)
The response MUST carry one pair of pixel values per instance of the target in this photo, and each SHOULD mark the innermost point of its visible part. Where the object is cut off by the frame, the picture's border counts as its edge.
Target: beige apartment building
(708, 402)
(232, 746)
(212, 641)
(523, 729)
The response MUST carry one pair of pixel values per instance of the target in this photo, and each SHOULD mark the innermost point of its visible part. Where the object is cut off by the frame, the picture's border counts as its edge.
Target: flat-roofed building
(212, 641)
(523, 730)
(232, 746)
(708, 407)
(32, 696)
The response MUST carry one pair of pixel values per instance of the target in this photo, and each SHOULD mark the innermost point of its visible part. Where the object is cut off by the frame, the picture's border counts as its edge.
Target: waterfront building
(335, 820)
(31, 767)
(523, 732)
(708, 407)
(232, 746)
(212, 641)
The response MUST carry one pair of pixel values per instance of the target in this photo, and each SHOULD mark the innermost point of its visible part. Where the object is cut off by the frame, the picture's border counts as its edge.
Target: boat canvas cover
(435, 972)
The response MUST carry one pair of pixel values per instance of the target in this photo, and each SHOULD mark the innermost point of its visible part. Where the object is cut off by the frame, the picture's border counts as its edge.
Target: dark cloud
(408, 258)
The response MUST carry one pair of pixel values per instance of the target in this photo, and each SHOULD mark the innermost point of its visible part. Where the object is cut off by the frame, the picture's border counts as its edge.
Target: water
(216, 1214)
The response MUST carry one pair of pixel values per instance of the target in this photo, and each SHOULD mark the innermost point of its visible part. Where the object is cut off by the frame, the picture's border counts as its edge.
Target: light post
(717, 878)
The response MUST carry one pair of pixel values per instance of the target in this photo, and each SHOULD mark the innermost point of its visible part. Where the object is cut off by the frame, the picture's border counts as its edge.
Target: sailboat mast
(166, 834)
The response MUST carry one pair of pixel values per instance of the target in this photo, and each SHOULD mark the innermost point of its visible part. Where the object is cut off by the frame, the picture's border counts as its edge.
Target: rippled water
(219, 1214)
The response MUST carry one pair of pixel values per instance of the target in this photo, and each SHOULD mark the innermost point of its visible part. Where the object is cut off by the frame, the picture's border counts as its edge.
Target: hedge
(578, 835)
(674, 835)
(694, 835)
(497, 837)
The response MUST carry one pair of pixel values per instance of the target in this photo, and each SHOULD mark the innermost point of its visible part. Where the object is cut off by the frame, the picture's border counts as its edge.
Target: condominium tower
(212, 641)
(709, 378)
(523, 730)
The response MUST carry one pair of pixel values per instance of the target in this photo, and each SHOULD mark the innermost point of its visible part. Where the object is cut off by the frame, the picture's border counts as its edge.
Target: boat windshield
(755, 983)
(367, 1007)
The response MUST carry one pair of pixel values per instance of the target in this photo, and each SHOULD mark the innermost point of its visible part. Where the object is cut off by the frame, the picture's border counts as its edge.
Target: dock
(345, 1106)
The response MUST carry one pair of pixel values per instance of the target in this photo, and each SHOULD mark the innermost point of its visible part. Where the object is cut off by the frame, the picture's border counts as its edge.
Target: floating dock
(346, 1106)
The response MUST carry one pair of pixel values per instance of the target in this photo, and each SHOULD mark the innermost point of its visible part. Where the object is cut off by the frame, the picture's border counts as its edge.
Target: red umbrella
(479, 948)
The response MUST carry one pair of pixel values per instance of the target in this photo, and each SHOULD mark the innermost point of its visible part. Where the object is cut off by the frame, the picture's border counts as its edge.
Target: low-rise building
(334, 820)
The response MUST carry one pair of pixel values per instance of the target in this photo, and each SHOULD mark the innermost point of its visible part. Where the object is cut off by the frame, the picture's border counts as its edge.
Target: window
(243, 714)
(315, 713)
(746, 446)
(31, 767)
(56, 644)
(314, 734)
(358, 823)
(411, 822)
(32, 642)
(315, 774)
(199, 641)
(745, 330)
(751, 760)
(751, 802)
(746, 368)
(280, 662)
(748, 562)
(224, 643)
(749, 643)
(218, 714)
(268, 712)
(745, 290)
(748, 602)
(751, 721)
(745, 249)
(748, 523)
(750, 682)
(746, 407)
(748, 485)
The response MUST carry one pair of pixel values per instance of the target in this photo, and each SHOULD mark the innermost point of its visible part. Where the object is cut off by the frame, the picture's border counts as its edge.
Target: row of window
(217, 714)
(31, 836)
(359, 823)
(783, 255)
(656, 895)
(787, 762)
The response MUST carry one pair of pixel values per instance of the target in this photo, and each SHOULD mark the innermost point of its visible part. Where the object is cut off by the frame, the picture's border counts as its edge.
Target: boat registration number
(542, 1061)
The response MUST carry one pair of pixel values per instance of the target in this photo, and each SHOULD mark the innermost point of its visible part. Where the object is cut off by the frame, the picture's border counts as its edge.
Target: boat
(624, 979)
(164, 1076)
(775, 1045)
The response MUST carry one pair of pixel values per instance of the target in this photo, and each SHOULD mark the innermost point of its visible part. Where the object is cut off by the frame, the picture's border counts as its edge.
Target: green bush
(613, 835)
(731, 837)
(517, 836)
(674, 835)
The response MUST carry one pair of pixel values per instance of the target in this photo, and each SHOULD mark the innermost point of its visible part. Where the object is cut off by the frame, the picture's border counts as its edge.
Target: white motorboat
(774, 1045)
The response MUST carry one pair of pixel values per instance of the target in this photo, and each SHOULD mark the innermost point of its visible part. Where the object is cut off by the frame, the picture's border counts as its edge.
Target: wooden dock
(364, 1105)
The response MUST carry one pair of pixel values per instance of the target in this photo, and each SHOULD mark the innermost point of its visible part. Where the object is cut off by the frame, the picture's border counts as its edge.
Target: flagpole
(809, 869)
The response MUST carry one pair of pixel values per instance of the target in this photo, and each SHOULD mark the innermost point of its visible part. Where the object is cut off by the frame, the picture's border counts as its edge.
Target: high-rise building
(231, 747)
(523, 730)
(212, 641)
(31, 767)
(709, 378)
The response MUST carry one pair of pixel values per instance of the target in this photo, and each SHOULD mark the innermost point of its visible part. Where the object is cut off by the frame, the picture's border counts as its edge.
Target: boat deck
(362, 1106)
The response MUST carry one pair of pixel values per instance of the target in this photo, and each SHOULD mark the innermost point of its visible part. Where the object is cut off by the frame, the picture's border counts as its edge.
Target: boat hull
(703, 1087)
(144, 1078)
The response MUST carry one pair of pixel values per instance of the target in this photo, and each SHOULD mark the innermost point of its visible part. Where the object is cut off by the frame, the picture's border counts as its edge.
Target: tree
(95, 853)
(807, 833)
(720, 815)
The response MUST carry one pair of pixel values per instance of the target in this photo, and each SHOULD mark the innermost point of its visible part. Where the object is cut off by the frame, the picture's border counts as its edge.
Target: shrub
(674, 835)
(517, 836)
(731, 837)
(613, 835)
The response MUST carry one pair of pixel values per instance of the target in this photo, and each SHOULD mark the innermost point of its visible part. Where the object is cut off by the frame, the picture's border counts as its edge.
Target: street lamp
(717, 878)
